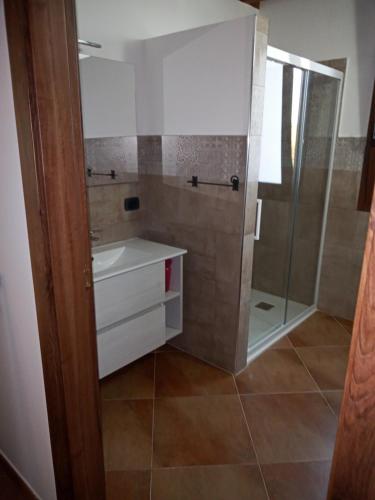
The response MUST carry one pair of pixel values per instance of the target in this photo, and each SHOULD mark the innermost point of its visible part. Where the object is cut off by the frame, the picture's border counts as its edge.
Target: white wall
(330, 29)
(24, 433)
(117, 24)
(196, 81)
(108, 97)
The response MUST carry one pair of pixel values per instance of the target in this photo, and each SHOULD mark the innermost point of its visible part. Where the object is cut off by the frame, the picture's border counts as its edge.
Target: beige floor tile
(128, 485)
(234, 482)
(199, 430)
(127, 434)
(319, 330)
(135, 381)
(276, 370)
(178, 374)
(334, 399)
(290, 427)
(297, 481)
(327, 365)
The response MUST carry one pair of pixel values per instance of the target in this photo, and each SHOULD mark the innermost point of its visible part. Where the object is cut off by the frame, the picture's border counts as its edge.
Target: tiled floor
(177, 428)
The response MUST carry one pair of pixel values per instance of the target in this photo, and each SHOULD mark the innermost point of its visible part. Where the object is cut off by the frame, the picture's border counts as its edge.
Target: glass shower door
(317, 129)
(276, 189)
(287, 255)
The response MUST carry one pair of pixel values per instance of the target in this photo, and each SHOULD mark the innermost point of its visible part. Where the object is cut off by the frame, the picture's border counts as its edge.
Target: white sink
(124, 256)
(107, 258)
(110, 258)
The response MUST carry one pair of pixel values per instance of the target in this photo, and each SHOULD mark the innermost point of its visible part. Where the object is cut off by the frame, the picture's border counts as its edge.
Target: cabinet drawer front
(127, 294)
(130, 340)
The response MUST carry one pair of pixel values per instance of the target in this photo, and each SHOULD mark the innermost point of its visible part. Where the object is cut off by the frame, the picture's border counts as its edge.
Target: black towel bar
(111, 174)
(234, 182)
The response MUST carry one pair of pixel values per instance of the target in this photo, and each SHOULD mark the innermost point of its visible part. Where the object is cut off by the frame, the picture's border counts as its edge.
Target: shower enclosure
(302, 101)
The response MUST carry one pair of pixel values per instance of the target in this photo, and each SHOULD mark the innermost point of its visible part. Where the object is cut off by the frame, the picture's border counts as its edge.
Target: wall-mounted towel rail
(112, 174)
(234, 182)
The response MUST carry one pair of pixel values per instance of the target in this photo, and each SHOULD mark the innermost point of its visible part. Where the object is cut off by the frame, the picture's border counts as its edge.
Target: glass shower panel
(320, 111)
(271, 251)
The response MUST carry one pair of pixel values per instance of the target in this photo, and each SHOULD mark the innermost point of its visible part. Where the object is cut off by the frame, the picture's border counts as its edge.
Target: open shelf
(170, 295)
(172, 332)
(173, 301)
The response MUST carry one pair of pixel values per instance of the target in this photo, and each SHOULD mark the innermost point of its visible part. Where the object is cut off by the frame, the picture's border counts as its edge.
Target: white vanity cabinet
(134, 313)
(128, 294)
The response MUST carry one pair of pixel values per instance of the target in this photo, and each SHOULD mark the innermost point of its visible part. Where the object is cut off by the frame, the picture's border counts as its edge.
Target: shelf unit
(173, 300)
(171, 295)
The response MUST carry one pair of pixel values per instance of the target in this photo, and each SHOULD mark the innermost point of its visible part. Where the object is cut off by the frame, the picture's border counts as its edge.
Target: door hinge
(88, 277)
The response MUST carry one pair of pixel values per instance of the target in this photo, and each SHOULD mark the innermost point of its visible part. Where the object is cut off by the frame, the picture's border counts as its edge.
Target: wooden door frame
(43, 53)
(42, 43)
(368, 169)
(353, 468)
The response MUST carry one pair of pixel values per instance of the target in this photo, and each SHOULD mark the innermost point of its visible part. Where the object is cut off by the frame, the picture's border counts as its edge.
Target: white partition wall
(181, 80)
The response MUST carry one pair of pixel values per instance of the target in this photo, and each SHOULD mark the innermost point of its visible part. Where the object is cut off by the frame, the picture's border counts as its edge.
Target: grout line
(236, 464)
(153, 426)
(315, 382)
(308, 371)
(221, 395)
(277, 393)
(251, 439)
(197, 358)
(342, 326)
(330, 346)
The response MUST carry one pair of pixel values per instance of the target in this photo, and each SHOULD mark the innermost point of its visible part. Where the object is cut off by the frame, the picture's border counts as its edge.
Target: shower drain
(265, 306)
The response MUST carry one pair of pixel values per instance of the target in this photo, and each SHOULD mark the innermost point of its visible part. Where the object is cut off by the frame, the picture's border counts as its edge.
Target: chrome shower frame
(293, 60)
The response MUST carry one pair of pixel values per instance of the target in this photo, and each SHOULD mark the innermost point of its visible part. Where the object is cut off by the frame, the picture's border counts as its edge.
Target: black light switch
(131, 204)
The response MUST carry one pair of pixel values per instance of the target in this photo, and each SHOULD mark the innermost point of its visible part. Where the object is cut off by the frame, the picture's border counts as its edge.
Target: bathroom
(247, 259)
(223, 165)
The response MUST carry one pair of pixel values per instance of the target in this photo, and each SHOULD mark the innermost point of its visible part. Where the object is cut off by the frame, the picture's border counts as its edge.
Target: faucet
(93, 236)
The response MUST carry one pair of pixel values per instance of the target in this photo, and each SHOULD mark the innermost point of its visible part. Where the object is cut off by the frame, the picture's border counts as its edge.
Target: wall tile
(228, 258)
(313, 184)
(347, 227)
(208, 222)
(345, 188)
(103, 154)
(212, 158)
(107, 213)
(149, 150)
(304, 271)
(309, 221)
(349, 153)
(269, 271)
(339, 280)
(346, 231)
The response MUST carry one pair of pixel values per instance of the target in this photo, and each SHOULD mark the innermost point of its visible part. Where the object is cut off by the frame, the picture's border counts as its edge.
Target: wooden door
(44, 64)
(353, 468)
